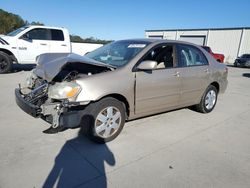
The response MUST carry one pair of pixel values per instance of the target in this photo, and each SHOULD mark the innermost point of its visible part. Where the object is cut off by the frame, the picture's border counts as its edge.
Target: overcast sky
(114, 19)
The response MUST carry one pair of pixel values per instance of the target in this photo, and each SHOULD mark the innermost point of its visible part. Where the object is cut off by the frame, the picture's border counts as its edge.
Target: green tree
(9, 22)
(76, 38)
(35, 23)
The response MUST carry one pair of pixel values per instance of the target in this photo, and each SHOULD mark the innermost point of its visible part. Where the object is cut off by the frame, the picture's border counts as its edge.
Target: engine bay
(72, 71)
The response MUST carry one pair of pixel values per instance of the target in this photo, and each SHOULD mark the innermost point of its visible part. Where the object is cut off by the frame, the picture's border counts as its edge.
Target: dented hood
(50, 64)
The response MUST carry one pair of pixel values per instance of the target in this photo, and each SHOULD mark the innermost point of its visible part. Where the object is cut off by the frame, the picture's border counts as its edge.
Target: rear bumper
(27, 107)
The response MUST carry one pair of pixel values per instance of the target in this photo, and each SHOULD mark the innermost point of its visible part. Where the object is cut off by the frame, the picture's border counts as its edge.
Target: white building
(231, 42)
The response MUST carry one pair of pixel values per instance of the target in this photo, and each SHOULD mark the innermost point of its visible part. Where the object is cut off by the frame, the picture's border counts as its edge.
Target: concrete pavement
(180, 148)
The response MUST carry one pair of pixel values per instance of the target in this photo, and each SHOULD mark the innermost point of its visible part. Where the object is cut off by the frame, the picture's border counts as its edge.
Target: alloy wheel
(108, 122)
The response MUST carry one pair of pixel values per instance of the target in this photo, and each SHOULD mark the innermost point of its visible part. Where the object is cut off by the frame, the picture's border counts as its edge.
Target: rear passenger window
(57, 34)
(190, 56)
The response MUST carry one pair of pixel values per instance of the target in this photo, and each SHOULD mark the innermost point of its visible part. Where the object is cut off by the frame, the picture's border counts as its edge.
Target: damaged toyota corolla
(120, 81)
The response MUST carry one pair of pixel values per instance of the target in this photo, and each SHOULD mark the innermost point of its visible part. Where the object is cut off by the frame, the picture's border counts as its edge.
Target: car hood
(4, 40)
(50, 64)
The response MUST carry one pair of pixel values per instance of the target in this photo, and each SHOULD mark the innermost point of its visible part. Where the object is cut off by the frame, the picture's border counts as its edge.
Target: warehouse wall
(154, 34)
(226, 42)
(191, 33)
(230, 42)
(170, 35)
(245, 42)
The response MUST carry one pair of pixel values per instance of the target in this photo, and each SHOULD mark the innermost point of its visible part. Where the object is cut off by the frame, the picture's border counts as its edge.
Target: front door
(32, 44)
(159, 89)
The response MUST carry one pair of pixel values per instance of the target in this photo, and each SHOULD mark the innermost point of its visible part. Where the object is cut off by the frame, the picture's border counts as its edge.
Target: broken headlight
(64, 90)
(30, 80)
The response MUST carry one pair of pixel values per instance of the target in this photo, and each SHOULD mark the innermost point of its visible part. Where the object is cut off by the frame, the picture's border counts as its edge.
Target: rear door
(159, 89)
(194, 74)
(58, 42)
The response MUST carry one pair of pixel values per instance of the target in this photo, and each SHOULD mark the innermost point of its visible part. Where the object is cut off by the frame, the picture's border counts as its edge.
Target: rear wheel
(208, 100)
(105, 120)
(5, 63)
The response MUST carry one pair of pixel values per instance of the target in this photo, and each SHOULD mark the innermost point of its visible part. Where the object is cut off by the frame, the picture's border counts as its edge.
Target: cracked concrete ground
(180, 148)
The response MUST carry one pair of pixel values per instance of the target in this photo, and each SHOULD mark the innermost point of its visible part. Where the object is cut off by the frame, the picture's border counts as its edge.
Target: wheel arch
(216, 85)
(12, 56)
(121, 98)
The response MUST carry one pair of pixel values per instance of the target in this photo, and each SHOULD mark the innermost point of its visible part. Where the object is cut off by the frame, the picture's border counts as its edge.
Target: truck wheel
(208, 100)
(104, 120)
(5, 63)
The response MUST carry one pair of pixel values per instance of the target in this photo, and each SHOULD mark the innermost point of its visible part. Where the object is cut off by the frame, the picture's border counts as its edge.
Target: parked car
(242, 61)
(121, 81)
(218, 57)
(26, 43)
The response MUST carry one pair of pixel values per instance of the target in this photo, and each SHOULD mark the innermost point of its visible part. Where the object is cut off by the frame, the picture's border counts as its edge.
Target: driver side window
(38, 34)
(163, 55)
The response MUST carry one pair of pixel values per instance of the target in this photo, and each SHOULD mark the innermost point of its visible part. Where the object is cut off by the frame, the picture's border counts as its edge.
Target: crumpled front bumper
(56, 114)
(27, 107)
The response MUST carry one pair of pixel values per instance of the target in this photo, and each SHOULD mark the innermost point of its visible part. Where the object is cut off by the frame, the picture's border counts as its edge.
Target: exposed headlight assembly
(30, 80)
(64, 90)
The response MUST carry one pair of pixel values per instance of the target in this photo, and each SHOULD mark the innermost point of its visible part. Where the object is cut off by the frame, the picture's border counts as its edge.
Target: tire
(5, 63)
(104, 120)
(208, 100)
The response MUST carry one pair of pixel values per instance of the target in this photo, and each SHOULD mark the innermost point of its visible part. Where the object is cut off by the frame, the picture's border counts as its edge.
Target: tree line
(10, 22)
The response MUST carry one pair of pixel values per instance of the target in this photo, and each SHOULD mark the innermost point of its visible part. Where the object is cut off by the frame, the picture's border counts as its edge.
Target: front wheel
(106, 120)
(5, 63)
(208, 100)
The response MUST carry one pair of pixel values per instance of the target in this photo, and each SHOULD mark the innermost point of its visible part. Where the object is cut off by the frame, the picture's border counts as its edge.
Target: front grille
(38, 95)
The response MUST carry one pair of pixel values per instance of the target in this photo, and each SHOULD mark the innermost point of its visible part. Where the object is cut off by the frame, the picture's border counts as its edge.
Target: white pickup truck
(26, 43)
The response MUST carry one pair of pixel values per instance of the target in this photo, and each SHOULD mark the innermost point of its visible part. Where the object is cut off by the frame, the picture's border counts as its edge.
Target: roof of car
(43, 26)
(158, 41)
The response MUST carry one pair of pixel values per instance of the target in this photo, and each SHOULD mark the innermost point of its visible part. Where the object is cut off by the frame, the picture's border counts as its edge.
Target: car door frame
(194, 79)
(32, 47)
(171, 72)
(59, 46)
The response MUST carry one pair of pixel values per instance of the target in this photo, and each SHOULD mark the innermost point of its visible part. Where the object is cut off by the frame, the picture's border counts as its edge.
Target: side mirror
(25, 37)
(147, 65)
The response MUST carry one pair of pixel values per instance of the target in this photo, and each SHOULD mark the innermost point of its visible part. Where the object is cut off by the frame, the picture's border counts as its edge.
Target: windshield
(14, 33)
(118, 53)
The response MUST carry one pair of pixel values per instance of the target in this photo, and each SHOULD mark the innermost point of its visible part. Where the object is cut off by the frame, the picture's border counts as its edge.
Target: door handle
(63, 45)
(206, 71)
(177, 74)
(43, 44)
